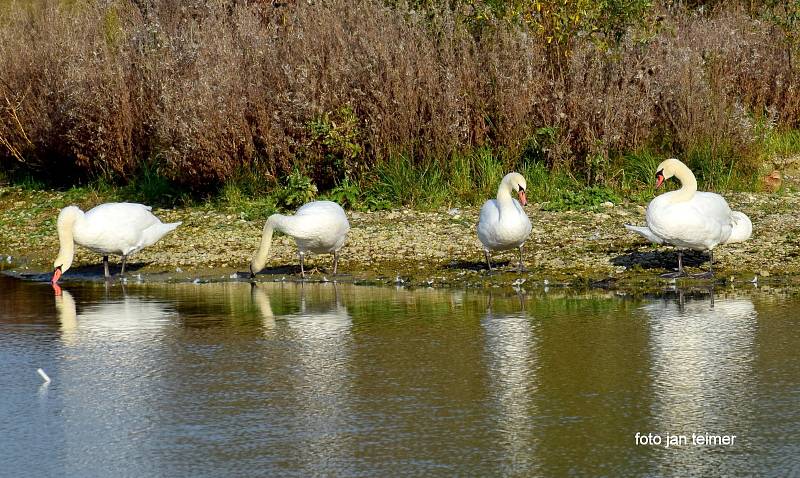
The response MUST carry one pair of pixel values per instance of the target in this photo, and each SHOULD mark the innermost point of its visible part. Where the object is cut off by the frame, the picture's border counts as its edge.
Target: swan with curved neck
(319, 227)
(503, 224)
(689, 219)
(111, 228)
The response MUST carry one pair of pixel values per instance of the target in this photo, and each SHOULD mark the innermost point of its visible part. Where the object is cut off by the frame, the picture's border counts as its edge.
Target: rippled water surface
(281, 379)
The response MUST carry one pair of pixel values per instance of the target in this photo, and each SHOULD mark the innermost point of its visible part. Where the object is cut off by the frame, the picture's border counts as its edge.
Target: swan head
(64, 225)
(516, 182)
(667, 169)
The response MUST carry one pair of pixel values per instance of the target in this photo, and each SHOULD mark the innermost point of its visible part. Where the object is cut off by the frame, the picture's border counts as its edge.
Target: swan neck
(66, 237)
(688, 184)
(260, 258)
(504, 197)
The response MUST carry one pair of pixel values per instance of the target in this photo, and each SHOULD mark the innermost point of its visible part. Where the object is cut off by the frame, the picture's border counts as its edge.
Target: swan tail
(742, 227)
(152, 234)
(644, 232)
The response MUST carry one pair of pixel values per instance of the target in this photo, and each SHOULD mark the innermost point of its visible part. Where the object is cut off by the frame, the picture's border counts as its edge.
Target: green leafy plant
(335, 140)
(585, 199)
(298, 190)
(400, 181)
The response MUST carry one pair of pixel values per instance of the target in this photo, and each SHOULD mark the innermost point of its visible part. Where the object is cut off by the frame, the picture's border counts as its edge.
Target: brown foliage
(202, 89)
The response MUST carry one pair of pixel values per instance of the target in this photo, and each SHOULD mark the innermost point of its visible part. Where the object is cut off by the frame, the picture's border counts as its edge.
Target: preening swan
(111, 228)
(689, 219)
(503, 223)
(319, 227)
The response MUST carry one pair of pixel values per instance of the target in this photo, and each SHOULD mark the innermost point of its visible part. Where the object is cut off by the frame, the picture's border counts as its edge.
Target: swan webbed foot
(673, 275)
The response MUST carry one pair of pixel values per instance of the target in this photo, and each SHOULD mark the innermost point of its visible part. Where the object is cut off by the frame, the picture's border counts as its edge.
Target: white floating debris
(754, 280)
(178, 269)
(8, 259)
(546, 282)
(234, 276)
(398, 280)
(196, 281)
(43, 375)
(518, 282)
(324, 279)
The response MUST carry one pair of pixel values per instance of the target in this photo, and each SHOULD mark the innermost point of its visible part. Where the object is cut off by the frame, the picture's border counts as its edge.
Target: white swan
(689, 219)
(503, 223)
(111, 228)
(319, 227)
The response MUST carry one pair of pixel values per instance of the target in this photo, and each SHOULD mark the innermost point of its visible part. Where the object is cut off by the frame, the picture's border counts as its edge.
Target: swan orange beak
(56, 275)
(522, 198)
(659, 179)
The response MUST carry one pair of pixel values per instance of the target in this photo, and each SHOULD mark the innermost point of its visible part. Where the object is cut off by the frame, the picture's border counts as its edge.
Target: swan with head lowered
(688, 219)
(503, 224)
(319, 227)
(111, 228)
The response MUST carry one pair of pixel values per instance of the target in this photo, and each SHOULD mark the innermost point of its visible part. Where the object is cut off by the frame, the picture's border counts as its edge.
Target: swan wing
(117, 228)
(319, 226)
(742, 227)
(700, 223)
(487, 223)
(506, 228)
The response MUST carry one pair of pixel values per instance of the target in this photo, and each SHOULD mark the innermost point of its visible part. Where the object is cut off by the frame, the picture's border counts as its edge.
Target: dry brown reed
(200, 90)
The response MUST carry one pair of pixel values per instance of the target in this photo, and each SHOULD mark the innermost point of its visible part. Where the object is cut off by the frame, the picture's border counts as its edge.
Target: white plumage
(320, 227)
(689, 219)
(503, 223)
(112, 228)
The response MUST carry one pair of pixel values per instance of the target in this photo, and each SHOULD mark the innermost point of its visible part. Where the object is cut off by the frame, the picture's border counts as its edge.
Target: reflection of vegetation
(232, 303)
(204, 305)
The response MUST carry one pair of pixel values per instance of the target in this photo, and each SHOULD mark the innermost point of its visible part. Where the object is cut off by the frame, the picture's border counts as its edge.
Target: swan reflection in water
(321, 350)
(109, 375)
(702, 366)
(511, 354)
(122, 315)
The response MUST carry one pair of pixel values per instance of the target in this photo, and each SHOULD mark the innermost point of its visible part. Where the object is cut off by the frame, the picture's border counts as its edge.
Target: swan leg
(105, 267)
(709, 274)
(680, 272)
(302, 269)
(124, 260)
(521, 267)
(335, 261)
(488, 259)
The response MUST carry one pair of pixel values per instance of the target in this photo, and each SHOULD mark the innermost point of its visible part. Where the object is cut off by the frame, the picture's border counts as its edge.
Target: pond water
(284, 379)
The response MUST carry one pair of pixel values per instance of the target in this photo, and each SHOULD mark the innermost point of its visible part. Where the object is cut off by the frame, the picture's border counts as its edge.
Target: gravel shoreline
(417, 248)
